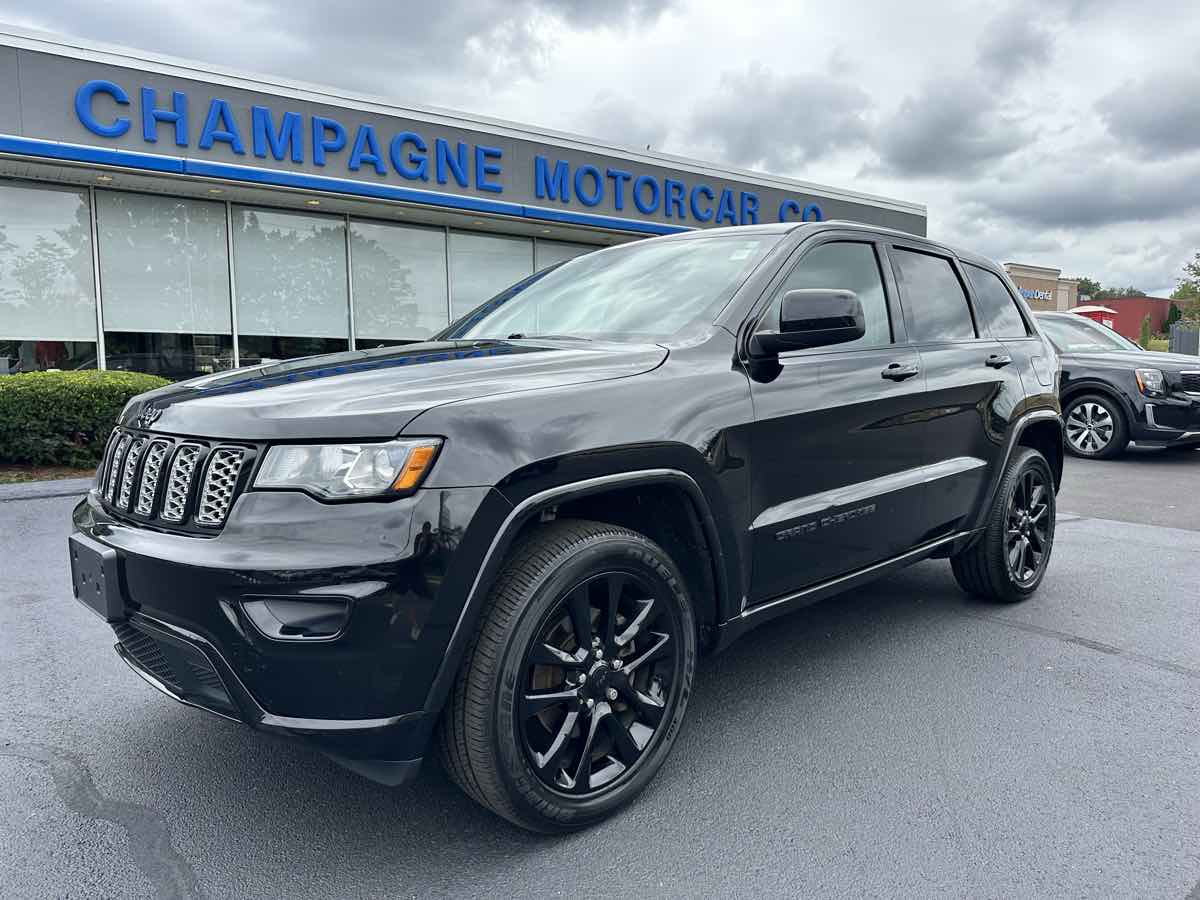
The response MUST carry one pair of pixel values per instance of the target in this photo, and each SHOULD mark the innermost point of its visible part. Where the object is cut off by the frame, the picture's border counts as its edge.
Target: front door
(837, 436)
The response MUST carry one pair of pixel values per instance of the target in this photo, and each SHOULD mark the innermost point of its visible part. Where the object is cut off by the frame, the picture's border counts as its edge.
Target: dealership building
(161, 216)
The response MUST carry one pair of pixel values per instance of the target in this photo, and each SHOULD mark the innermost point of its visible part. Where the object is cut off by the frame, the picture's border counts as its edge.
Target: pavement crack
(147, 833)
(1132, 656)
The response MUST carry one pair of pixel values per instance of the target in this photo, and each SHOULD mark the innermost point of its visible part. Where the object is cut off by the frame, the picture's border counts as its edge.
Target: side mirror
(815, 317)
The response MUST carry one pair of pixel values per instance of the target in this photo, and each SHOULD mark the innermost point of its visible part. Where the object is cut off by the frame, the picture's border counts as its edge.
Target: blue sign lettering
(280, 135)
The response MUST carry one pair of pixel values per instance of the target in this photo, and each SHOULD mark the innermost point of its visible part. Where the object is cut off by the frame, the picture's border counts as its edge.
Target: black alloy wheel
(1008, 561)
(1027, 538)
(574, 687)
(599, 679)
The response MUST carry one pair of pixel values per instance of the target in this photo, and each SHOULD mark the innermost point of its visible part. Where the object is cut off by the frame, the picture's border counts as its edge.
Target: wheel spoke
(615, 585)
(623, 742)
(649, 710)
(553, 757)
(659, 649)
(581, 616)
(581, 780)
(547, 655)
(632, 629)
(536, 702)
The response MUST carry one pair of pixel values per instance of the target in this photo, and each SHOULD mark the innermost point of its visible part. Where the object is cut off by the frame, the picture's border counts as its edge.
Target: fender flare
(1014, 439)
(1096, 386)
(520, 514)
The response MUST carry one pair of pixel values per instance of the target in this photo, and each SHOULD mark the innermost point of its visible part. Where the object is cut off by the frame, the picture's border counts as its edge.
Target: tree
(1187, 289)
(1088, 286)
(1173, 316)
(1110, 293)
(1144, 334)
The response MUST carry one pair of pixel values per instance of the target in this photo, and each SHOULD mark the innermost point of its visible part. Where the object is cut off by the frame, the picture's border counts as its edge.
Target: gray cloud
(1091, 194)
(951, 129)
(1012, 43)
(1158, 114)
(619, 121)
(381, 47)
(762, 120)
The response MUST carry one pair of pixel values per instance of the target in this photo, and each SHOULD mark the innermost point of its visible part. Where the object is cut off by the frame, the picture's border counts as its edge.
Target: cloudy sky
(1055, 132)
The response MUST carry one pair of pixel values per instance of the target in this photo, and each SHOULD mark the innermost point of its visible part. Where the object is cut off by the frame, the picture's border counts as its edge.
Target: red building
(1131, 310)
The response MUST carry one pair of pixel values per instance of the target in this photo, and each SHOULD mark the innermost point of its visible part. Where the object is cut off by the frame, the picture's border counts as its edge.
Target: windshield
(641, 291)
(1079, 335)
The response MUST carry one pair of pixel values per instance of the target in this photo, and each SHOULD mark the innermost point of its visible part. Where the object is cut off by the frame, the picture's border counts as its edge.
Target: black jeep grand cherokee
(511, 543)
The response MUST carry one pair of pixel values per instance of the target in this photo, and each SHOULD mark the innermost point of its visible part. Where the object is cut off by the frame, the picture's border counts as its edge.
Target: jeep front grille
(224, 466)
(176, 484)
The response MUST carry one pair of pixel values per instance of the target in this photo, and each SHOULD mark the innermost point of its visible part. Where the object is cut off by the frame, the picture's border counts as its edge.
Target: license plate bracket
(95, 577)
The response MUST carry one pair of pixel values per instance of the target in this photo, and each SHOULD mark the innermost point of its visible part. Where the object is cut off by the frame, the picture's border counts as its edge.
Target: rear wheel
(1006, 564)
(577, 679)
(1096, 427)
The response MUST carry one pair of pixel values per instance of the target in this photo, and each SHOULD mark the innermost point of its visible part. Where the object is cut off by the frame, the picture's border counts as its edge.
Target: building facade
(1129, 313)
(1044, 288)
(161, 216)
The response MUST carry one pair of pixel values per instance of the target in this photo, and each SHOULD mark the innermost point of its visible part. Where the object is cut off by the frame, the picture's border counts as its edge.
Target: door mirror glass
(813, 317)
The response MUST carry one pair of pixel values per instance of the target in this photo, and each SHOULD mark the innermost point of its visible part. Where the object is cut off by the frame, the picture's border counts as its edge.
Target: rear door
(973, 387)
(834, 432)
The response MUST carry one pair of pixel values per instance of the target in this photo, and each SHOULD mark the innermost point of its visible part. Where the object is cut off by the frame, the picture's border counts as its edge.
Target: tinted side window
(935, 306)
(841, 266)
(997, 311)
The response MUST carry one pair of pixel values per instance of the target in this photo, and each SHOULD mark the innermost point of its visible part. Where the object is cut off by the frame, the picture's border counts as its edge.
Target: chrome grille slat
(155, 457)
(179, 482)
(128, 471)
(220, 481)
(114, 466)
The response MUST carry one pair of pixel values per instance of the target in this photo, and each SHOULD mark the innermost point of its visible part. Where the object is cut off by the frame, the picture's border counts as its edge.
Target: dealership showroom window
(170, 304)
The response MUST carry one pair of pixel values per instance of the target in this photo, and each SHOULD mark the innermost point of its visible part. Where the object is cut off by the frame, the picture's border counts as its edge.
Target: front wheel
(1008, 561)
(1096, 427)
(573, 690)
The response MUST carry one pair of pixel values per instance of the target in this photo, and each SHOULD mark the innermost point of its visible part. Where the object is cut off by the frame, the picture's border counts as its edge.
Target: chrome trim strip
(812, 504)
(858, 573)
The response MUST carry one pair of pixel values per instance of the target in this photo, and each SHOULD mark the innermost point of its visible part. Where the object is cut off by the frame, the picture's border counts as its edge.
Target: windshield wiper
(522, 336)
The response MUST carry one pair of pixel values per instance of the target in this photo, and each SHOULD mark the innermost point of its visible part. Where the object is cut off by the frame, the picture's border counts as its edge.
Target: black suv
(1114, 392)
(511, 543)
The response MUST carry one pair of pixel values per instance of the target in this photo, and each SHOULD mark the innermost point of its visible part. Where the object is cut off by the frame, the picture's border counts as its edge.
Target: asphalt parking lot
(902, 740)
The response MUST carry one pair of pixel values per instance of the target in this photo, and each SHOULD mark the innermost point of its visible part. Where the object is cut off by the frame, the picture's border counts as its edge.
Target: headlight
(341, 471)
(1150, 382)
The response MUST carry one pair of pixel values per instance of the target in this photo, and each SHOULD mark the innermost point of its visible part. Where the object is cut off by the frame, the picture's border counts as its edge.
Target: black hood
(375, 393)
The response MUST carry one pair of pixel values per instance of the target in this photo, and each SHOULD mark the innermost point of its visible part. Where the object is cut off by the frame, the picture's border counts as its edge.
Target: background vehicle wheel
(1006, 564)
(1096, 427)
(577, 679)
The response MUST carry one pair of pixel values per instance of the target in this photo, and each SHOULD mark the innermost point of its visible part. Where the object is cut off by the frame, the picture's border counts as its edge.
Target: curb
(41, 490)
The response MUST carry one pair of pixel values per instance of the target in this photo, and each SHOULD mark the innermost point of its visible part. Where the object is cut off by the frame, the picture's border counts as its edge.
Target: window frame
(765, 301)
(956, 267)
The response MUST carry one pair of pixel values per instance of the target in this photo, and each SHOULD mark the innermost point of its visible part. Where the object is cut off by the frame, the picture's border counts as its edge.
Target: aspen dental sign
(89, 111)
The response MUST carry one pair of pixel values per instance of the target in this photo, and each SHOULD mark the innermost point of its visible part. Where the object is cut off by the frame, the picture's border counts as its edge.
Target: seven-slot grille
(1190, 382)
(178, 483)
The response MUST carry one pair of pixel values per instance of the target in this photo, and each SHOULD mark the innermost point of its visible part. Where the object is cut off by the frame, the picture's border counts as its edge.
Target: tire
(1087, 436)
(986, 568)
(546, 771)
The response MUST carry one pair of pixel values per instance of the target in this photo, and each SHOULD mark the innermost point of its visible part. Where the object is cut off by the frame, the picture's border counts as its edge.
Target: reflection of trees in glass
(163, 263)
(291, 274)
(387, 278)
(45, 283)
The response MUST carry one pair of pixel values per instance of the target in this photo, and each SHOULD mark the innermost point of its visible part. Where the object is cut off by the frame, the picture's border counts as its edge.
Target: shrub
(63, 418)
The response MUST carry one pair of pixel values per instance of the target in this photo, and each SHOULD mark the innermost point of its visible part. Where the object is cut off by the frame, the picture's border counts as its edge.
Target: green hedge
(63, 418)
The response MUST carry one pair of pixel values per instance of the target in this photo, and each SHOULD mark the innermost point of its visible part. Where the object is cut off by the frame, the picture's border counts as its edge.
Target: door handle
(998, 361)
(898, 372)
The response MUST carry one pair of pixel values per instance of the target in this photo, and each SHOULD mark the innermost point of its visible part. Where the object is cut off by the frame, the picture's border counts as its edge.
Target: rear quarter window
(997, 310)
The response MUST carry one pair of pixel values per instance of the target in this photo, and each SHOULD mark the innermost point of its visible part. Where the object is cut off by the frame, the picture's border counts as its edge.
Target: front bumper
(403, 567)
(1169, 421)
